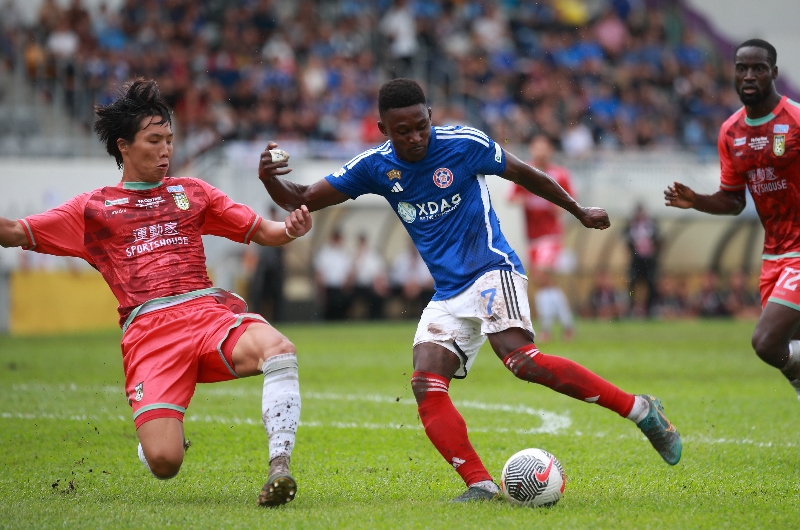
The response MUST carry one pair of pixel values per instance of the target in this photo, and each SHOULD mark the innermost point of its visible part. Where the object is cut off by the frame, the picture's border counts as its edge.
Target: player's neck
(764, 108)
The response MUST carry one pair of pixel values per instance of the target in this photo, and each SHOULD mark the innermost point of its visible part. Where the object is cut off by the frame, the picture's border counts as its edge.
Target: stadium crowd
(602, 73)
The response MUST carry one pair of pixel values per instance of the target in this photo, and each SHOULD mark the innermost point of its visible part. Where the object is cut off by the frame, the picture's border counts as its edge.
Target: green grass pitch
(68, 446)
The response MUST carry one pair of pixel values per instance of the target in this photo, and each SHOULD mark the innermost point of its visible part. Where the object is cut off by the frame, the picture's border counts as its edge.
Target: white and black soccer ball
(533, 477)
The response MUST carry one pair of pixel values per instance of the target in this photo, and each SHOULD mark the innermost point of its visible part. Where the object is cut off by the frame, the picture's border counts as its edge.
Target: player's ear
(382, 128)
(775, 72)
(122, 145)
(430, 114)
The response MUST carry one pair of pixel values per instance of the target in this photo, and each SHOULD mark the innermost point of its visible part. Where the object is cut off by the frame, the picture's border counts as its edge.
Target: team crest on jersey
(394, 174)
(779, 144)
(139, 392)
(443, 177)
(407, 212)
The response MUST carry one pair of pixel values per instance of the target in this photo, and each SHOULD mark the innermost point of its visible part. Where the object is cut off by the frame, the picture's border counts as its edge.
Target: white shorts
(498, 300)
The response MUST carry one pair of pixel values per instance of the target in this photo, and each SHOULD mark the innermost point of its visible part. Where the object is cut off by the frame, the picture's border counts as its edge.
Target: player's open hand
(679, 196)
(267, 168)
(594, 218)
(298, 223)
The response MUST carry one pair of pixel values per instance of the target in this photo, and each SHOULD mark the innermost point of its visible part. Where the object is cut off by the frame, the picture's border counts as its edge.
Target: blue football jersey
(443, 202)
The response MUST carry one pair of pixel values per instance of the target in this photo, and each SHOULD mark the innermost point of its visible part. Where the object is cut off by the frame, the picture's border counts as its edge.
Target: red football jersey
(542, 217)
(762, 155)
(143, 238)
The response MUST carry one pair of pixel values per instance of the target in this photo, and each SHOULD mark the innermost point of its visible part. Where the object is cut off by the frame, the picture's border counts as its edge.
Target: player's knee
(165, 464)
(767, 348)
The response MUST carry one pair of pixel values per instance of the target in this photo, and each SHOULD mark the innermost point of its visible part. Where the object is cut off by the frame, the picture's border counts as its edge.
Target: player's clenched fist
(595, 218)
(298, 223)
(679, 196)
(273, 162)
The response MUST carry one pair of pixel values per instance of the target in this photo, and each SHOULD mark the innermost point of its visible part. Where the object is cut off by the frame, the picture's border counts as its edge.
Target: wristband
(290, 235)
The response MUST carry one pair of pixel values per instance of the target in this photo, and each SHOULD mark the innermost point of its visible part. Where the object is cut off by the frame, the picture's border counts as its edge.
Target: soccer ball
(533, 477)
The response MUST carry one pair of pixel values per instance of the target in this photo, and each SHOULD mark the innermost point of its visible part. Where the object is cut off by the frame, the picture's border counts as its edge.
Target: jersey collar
(768, 117)
(140, 185)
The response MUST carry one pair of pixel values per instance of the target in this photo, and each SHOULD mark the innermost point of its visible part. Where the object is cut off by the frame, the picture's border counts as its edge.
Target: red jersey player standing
(545, 241)
(758, 148)
(144, 236)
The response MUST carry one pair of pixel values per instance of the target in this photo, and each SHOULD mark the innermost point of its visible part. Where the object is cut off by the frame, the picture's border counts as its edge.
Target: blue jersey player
(434, 178)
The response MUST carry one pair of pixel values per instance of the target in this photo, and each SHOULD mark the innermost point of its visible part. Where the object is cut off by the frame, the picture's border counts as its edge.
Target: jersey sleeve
(729, 179)
(226, 218)
(59, 231)
(484, 156)
(355, 178)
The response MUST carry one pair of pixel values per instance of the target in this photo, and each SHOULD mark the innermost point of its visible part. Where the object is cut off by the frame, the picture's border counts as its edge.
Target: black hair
(400, 93)
(772, 53)
(123, 117)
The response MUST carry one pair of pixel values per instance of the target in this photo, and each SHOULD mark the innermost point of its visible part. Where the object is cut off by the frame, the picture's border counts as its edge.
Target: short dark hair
(772, 53)
(122, 118)
(400, 93)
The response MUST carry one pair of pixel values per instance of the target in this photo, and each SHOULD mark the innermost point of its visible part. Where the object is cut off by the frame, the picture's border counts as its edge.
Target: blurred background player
(332, 266)
(545, 242)
(758, 149)
(370, 285)
(481, 289)
(265, 292)
(144, 236)
(641, 235)
(412, 281)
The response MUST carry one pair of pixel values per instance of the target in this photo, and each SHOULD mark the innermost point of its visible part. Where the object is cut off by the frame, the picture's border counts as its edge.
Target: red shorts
(780, 282)
(167, 352)
(543, 252)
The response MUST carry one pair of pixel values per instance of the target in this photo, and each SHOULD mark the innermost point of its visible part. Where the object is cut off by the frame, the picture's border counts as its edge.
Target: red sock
(567, 377)
(445, 427)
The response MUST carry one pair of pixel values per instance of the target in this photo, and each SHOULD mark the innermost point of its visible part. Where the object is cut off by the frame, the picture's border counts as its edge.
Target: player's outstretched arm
(273, 234)
(289, 195)
(720, 203)
(11, 233)
(543, 185)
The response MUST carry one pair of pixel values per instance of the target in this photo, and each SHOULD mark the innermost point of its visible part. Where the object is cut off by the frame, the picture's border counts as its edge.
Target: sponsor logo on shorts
(116, 202)
(152, 237)
(738, 142)
(406, 211)
(758, 143)
(780, 128)
(779, 144)
(443, 177)
(139, 392)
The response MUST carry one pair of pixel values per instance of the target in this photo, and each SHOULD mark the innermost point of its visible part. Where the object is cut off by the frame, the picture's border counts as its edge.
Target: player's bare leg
(263, 350)
(775, 341)
(162, 444)
(434, 367)
(515, 347)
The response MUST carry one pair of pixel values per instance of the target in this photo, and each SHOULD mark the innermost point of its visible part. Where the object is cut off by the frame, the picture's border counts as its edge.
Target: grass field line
(226, 420)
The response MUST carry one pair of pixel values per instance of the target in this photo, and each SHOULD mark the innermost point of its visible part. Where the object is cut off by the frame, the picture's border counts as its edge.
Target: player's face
(409, 130)
(754, 76)
(147, 157)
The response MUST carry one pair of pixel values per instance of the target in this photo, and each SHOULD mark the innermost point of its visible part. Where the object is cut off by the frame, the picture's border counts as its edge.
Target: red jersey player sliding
(758, 149)
(144, 236)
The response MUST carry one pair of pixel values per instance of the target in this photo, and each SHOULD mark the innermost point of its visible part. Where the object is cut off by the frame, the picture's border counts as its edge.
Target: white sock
(640, 409)
(280, 403)
(487, 485)
(792, 368)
